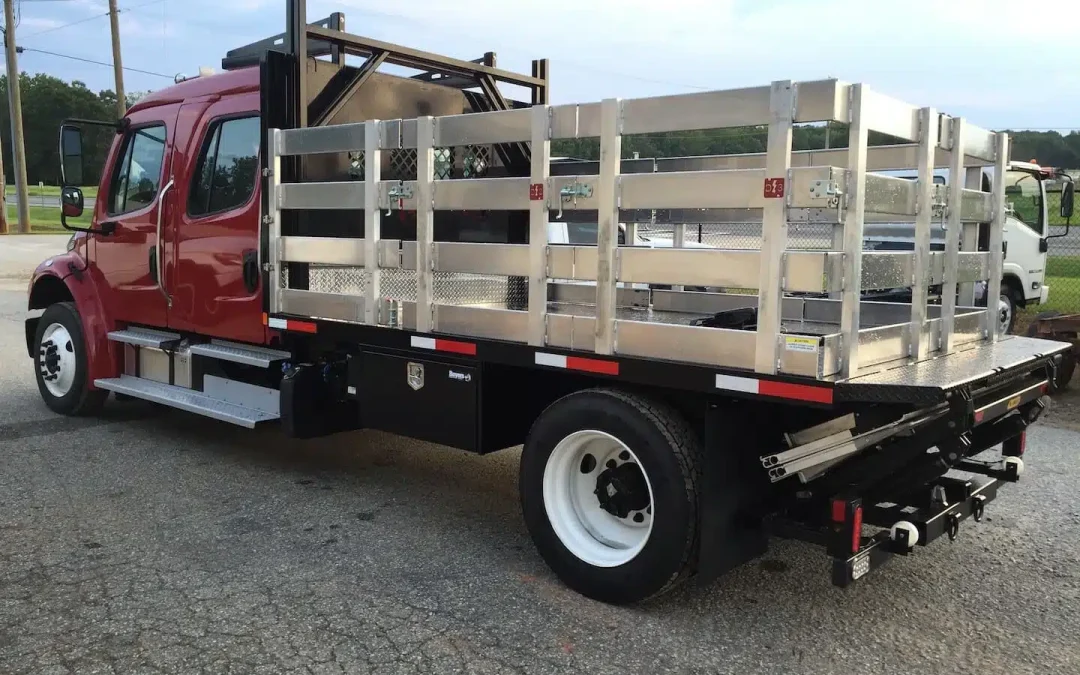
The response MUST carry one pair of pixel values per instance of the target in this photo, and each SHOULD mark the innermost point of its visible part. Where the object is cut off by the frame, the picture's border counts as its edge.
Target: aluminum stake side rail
(444, 277)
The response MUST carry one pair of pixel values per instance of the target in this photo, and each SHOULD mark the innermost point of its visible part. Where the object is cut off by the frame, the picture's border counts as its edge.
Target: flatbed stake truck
(334, 248)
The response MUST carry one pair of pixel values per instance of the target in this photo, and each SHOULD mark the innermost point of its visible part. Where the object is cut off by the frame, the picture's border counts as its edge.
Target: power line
(66, 25)
(99, 63)
(89, 18)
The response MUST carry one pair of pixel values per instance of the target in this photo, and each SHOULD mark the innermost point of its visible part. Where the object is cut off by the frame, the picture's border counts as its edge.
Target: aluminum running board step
(186, 399)
(236, 352)
(144, 337)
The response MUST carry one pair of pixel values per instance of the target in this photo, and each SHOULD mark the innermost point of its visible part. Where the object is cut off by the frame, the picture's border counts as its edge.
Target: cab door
(214, 275)
(131, 202)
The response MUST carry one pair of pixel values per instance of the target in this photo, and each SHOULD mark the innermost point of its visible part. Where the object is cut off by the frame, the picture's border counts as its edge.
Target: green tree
(47, 101)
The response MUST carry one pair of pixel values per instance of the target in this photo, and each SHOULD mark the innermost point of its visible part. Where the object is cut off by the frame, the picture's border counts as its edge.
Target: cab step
(236, 352)
(144, 337)
(210, 403)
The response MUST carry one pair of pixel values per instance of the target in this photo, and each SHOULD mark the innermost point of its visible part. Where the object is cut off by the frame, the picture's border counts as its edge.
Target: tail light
(1015, 446)
(856, 529)
(849, 514)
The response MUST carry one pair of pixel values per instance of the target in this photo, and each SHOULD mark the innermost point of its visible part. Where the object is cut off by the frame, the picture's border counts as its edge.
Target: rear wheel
(61, 363)
(609, 492)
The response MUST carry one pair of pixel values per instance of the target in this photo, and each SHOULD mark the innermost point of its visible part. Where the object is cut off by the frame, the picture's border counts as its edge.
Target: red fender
(82, 284)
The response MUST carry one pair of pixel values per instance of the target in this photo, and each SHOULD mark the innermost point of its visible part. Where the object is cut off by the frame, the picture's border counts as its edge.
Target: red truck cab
(180, 189)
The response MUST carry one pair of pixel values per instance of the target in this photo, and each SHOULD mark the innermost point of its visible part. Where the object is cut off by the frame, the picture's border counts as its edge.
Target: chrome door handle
(160, 249)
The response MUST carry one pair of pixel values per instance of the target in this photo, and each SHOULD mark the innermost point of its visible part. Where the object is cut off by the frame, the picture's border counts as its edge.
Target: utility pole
(118, 67)
(3, 196)
(18, 150)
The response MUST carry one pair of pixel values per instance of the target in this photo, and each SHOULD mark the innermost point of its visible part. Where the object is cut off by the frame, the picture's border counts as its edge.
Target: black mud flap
(730, 535)
(31, 333)
(311, 403)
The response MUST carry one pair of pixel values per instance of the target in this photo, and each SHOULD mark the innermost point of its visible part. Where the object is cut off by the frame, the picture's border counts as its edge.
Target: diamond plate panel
(455, 288)
(398, 285)
(337, 279)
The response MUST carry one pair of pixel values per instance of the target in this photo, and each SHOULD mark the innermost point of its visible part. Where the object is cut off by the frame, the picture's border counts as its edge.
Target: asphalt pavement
(152, 541)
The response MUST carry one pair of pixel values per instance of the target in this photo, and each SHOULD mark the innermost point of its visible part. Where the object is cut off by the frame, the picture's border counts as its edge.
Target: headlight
(71, 243)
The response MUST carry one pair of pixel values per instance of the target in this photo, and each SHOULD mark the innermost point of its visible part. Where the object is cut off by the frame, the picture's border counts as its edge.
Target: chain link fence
(1062, 264)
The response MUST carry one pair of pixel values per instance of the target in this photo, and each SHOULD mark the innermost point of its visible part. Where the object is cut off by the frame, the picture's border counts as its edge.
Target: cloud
(251, 5)
(34, 24)
(141, 27)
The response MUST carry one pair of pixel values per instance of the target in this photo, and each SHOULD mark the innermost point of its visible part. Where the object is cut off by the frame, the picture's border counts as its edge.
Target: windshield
(585, 233)
(1024, 198)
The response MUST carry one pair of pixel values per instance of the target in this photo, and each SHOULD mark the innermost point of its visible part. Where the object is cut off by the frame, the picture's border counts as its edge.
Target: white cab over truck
(1025, 236)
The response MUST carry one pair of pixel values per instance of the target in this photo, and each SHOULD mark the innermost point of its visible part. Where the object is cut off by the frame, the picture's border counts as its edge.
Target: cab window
(1023, 199)
(227, 168)
(137, 176)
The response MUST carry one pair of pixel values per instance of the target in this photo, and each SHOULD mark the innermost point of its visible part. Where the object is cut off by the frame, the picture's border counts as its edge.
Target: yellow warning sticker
(800, 344)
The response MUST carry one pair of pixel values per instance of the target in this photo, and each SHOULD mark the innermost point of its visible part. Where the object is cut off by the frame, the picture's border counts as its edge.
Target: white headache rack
(812, 317)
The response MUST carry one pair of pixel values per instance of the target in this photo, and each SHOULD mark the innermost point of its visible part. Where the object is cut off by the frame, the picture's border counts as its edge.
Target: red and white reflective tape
(440, 345)
(597, 366)
(752, 385)
(292, 324)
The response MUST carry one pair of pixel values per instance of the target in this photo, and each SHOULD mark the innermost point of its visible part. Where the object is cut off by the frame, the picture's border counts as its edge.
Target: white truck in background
(1025, 237)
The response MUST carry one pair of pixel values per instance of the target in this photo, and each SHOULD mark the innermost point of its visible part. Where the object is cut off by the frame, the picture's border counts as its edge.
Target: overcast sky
(1001, 63)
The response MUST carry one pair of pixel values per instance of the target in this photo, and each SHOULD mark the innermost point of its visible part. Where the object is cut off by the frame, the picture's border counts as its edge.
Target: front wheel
(1007, 305)
(609, 492)
(61, 364)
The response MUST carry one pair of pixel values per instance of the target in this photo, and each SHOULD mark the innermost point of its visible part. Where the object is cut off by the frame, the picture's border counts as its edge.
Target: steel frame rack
(779, 189)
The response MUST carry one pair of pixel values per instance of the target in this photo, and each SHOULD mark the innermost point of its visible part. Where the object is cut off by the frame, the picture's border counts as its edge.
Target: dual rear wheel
(609, 488)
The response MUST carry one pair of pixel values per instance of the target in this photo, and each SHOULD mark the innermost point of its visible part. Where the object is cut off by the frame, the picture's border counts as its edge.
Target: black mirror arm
(104, 229)
(1068, 178)
(120, 125)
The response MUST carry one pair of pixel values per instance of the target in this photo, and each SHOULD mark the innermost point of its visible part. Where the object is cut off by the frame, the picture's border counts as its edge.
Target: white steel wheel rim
(585, 528)
(1004, 314)
(56, 360)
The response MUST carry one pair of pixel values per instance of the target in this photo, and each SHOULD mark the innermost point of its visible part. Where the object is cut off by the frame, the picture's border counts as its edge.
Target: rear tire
(630, 539)
(61, 363)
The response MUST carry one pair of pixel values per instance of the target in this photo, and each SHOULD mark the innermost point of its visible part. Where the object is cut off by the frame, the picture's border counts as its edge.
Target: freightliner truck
(328, 247)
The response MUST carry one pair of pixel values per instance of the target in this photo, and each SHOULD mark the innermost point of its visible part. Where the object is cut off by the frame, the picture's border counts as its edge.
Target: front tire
(609, 492)
(1008, 303)
(61, 364)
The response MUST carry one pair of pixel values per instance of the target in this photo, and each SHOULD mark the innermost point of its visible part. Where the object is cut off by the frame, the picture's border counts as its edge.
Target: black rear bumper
(931, 524)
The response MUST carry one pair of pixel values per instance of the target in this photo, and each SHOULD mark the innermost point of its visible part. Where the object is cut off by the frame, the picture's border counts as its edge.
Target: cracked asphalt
(152, 541)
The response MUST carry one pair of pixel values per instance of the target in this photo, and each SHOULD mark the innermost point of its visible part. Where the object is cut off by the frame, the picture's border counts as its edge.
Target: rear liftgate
(965, 427)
